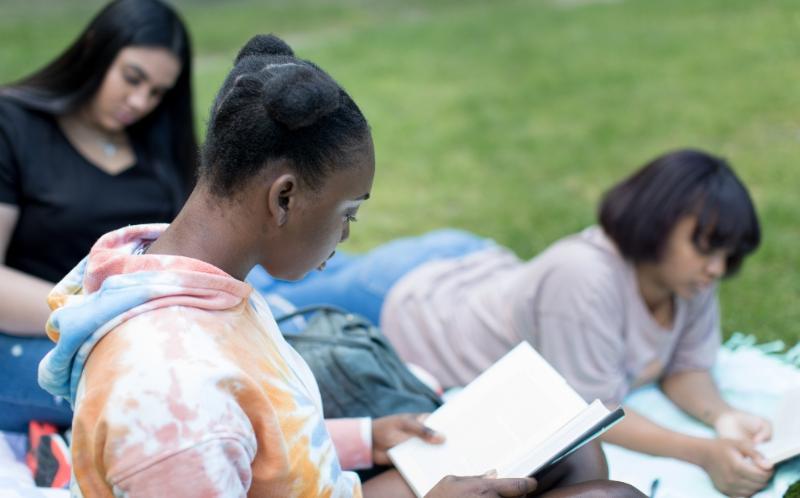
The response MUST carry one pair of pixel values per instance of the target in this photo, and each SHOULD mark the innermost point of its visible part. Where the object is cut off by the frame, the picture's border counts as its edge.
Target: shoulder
(13, 111)
(169, 355)
(10, 107)
(581, 262)
(577, 280)
(153, 379)
(10, 112)
(17, 121)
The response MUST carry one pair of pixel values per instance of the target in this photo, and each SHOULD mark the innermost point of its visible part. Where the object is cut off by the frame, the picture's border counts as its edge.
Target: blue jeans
(359, 283)
(21, 398)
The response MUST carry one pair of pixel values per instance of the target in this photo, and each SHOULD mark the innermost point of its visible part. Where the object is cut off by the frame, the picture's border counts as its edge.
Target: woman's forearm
(640, 434)
(23, 303)
(696, 393)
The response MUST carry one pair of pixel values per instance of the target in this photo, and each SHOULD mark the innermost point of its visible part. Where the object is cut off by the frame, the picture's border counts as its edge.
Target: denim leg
(359, 283)
(21, 398)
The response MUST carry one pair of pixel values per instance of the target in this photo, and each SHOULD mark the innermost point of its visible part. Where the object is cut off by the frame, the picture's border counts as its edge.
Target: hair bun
(264, 45)
(297, 95)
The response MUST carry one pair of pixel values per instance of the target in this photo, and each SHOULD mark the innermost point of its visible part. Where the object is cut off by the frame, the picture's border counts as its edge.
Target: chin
(292, 276)
(113, 126)
(689, 293)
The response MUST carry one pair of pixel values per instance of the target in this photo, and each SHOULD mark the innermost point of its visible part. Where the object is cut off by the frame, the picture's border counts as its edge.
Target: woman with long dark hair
(100, 137)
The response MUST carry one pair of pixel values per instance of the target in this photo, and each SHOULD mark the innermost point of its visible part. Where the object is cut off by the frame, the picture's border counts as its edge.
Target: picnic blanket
(750, 377)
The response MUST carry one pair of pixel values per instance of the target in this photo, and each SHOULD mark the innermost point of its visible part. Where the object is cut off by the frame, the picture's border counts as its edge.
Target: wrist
(720, 415)
(697, 451)
(352, 439)
(368, 437)
(712, 415)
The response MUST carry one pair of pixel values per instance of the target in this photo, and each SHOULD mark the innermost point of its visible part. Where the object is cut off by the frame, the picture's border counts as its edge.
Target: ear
(282, 197)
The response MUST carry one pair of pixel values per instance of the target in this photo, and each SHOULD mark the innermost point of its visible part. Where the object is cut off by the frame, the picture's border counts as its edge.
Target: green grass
(511, 118)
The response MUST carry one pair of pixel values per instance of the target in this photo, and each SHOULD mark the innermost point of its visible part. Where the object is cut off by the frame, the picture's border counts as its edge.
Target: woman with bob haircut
(100, 137)
(626, 303)
(181, 380)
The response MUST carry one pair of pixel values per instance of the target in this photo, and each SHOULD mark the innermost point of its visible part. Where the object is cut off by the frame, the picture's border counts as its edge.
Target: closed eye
(132, 80)
(350, 218)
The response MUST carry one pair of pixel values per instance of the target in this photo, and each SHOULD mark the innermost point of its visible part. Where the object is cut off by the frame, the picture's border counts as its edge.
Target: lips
(126, 117)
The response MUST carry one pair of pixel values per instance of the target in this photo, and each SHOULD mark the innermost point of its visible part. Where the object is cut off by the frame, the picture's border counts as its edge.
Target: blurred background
(511, 118)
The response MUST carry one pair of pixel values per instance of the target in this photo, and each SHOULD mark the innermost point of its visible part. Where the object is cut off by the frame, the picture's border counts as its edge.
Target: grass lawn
(510, 119)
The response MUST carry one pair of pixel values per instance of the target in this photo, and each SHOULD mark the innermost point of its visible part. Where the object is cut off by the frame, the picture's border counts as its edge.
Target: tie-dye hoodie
(181, 382)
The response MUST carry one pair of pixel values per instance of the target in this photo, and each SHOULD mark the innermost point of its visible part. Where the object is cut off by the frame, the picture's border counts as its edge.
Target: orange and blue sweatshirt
(182, 384)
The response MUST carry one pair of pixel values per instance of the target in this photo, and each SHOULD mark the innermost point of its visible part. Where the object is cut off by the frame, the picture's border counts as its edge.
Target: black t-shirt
(65, 202)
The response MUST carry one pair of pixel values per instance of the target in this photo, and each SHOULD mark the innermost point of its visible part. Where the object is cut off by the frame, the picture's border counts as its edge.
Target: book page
(494, 422)
(785, 442)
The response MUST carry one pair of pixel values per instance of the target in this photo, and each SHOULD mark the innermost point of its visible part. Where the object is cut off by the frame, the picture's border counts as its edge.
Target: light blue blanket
(750, 377)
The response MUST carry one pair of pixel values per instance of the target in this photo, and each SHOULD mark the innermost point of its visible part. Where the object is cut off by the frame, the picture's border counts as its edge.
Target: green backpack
(358, 371)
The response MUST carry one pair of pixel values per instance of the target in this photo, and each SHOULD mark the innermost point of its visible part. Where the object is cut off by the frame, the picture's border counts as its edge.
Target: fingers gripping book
(519, 417)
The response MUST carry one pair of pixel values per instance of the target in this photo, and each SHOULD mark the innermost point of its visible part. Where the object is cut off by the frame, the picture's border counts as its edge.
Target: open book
(519, 417)
(785, 442)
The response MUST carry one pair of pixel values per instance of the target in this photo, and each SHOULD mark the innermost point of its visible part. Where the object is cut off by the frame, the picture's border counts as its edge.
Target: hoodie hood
(115, 283)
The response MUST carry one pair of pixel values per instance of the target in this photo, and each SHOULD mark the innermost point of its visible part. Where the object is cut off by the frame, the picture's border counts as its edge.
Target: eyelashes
(350, 218)
(135, 81)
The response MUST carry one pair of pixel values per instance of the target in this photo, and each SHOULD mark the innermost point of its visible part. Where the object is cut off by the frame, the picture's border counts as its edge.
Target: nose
(717, 264)
(139, 99)
(345, 233)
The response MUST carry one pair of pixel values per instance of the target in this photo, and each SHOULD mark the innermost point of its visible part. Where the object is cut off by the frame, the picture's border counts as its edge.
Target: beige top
(577, 303)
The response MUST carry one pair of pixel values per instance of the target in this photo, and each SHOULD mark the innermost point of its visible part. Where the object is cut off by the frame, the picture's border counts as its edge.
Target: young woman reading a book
(181, 381)
(613, 307)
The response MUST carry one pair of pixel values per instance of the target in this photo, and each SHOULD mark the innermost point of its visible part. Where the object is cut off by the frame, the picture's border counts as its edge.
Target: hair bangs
(726, 219)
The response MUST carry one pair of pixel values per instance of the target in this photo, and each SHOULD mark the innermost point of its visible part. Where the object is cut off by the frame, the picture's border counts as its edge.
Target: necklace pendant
(109, 149)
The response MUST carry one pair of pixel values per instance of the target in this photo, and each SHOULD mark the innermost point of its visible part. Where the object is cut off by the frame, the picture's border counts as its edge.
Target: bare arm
(23, 297)
(641, 434)
(696, 393)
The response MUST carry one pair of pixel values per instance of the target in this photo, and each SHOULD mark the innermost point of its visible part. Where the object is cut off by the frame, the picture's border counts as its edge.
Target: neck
(205, 231)
(655, 295)
(88, 126)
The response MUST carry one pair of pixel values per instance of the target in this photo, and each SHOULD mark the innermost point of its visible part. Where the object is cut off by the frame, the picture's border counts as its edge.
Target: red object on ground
(48, 456)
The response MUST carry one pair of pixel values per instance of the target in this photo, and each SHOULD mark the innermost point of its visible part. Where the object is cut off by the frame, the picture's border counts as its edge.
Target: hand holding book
(484, 486)
(736, 424)
(520, 416)
(392, 430)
